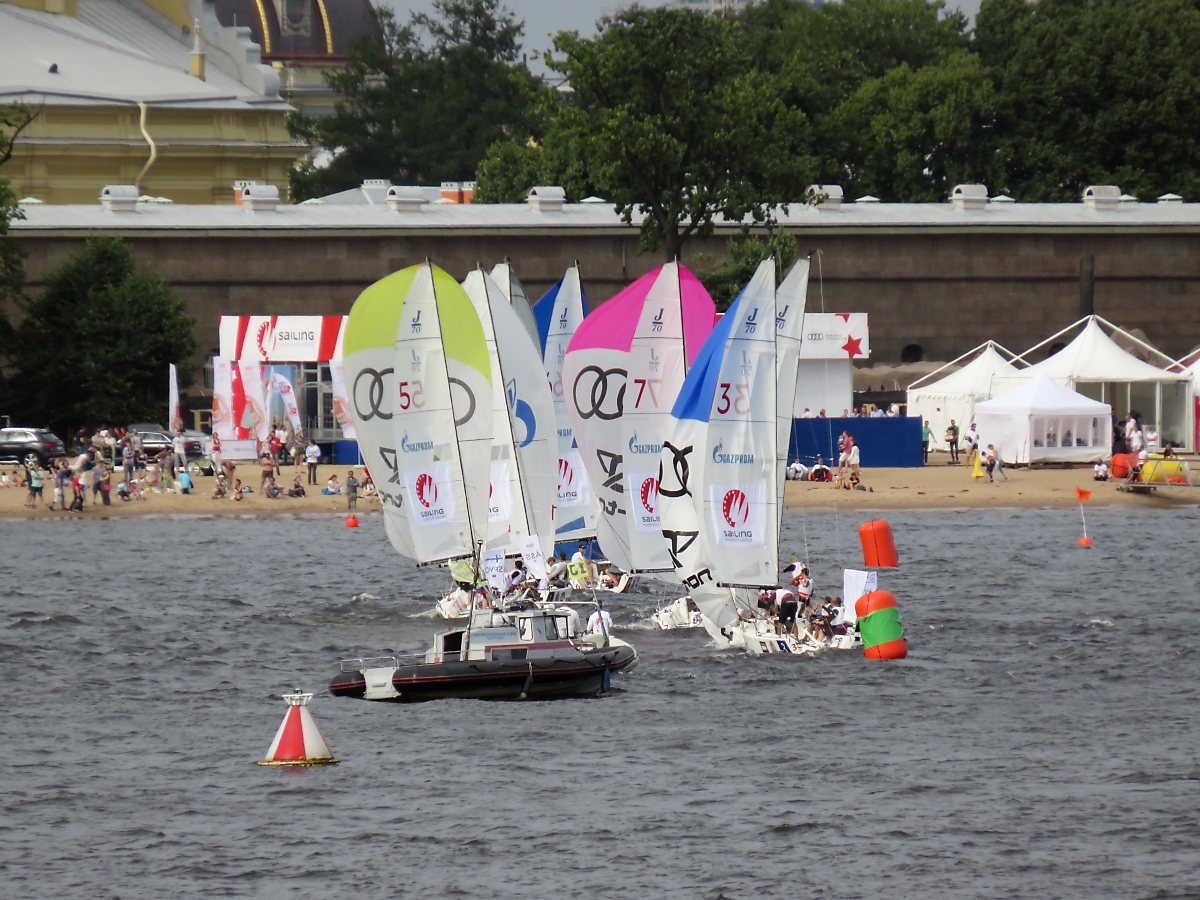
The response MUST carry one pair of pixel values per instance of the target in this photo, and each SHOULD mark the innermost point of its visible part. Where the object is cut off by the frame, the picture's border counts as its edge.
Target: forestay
(523, 480)
(621, 374)
(558, 315)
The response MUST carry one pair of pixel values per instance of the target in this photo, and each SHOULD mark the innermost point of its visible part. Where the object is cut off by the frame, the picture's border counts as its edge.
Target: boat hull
(486, 679)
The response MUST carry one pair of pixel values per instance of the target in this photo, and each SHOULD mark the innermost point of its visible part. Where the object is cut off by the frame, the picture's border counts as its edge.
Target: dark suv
(30, 446)
(156, 441)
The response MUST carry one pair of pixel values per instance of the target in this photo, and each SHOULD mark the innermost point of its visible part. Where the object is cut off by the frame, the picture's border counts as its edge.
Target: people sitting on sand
(183, 484)
(332, 486)
(1169, 451)
(272, 490)
(819, 472)
(237, 489)
(297, 489)
(1100, 471)
(368, 487)
(220, 488)
(796, 470)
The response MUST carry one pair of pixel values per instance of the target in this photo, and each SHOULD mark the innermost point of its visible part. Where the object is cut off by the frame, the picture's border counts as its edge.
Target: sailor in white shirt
(600, 622)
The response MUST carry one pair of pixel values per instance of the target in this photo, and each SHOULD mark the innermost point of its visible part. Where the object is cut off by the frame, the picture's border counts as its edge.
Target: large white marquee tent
(1042, 421)
(954, 396)
(1094, 365)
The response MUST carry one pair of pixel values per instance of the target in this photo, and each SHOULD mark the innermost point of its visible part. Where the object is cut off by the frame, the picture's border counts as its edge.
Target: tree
(725, 281)
(1106, 91)
(95, 345)
(14, 118)
(12, 265)
(423, 102)
(670, 119)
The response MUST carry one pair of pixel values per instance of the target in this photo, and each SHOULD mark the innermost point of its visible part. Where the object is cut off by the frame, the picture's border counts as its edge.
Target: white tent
(1096, 366)
(954, 397)
(1042, 421)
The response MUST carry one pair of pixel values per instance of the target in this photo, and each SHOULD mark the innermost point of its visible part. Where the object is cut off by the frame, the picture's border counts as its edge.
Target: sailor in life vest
(515, 578)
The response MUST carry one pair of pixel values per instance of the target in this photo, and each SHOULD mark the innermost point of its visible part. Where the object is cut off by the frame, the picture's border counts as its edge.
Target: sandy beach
(937, 486)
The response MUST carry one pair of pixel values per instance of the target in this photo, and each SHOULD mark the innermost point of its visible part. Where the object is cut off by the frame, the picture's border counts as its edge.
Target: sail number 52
(739, 403)
(413, 399)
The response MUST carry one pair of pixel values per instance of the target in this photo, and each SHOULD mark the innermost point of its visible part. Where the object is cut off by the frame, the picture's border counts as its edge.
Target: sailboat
(522, 486)
(436, 468)
(621, 375)
(722, 466)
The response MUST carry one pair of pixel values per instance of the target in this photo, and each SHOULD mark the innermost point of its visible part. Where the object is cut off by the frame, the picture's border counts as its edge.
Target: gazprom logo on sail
(635, 447)
(565, 433)
(414, 446)
(720, 456)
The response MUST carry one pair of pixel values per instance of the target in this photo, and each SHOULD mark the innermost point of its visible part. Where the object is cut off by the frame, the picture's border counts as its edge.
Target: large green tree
(94, 346)
(669, 118)
(422, 102)
(14, 118)
(1093, 91)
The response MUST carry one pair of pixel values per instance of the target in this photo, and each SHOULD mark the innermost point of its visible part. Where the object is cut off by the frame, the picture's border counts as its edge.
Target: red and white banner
(835, 336)
(287, 394)
(224, 424)
(249, 404)
(280, 338)
(175, 416)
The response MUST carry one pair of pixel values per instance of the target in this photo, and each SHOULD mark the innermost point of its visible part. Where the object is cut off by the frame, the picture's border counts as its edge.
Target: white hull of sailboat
(679, 613)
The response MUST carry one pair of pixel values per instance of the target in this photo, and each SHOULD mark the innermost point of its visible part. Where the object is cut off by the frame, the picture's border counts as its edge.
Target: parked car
(155, 441)
(30, 446)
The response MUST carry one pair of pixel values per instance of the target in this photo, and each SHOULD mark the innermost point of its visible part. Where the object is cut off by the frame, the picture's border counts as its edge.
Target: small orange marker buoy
(299, 741)
(352, 521)
(1085, 542)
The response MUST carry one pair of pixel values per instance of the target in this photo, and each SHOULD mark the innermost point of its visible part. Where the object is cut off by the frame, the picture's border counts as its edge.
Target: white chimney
(969, 196)
(119, 197)
(405, 198)
(1102, 196)
(260, 197)
(827, 196)
(546, 198)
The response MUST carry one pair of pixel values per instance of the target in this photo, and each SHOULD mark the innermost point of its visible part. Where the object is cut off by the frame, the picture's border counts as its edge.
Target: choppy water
(1040, 740)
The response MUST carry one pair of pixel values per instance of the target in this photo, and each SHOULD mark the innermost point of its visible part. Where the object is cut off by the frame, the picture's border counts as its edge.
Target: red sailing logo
(649, 494)
(735, 508)
(566, 475)
(427, 492)
(266, 339)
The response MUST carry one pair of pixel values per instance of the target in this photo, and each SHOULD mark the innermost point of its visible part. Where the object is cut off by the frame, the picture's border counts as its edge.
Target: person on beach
(297, 488)
(852, 457)
(184, 482)
(62, 478)
(819, 472)
(352, 485)
(1100, 471)
(33, 477)
(995, 463)
(216, 451)
(237, 489)
(77, 489)
(267, 465)
(368, 488)
(276, 445)
(976, 464)
(104, 480)
(272, 490)
(219, 490)
(312, 456)
(332, 486)
(1151, 436)
(179, 445)
(128, 460)
(952, 440)
(297, 451)
(926, 435)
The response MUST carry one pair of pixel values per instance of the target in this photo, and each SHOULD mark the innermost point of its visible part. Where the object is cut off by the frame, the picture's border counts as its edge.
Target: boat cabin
(528, 634)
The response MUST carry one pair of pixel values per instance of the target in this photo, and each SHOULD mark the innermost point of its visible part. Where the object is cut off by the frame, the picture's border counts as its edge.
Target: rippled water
(1040, 740)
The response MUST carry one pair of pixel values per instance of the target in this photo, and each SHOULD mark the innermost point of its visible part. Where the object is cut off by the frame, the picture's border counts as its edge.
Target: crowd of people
(847, 476)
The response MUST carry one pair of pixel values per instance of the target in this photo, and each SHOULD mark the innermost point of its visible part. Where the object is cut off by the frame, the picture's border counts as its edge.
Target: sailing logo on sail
(562, 320)
(635, 447)
(433, 497)
(644, 493)
(654, 364)
(751, 321)
(522, 412)
(781, 318)
(416, 323)
(572, 485)
(721, 457)
(739, 514)
(416, 360)
(747, 366)
(656, 324)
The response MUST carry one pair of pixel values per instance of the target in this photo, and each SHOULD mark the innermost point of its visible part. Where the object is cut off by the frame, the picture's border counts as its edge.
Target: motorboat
(522, 654)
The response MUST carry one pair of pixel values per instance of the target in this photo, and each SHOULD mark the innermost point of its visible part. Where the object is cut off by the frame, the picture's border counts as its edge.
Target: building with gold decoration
(182, 98)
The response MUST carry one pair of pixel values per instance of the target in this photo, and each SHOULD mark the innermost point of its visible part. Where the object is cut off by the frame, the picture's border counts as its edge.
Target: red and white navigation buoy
(299, 741)
(352, 521)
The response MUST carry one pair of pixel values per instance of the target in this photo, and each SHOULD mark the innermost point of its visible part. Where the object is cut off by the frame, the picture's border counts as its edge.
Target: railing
(370, 662)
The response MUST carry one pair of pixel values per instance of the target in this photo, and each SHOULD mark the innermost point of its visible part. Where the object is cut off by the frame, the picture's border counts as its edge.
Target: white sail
(790, 299)
(524, 455)
(558, 315)
(718, 485)
(620, 376)
(506, 278)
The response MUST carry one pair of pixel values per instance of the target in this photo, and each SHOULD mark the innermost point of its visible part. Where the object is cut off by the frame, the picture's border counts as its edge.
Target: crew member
(789, 608)
(600, 622)
(556, 575)
(516, 577)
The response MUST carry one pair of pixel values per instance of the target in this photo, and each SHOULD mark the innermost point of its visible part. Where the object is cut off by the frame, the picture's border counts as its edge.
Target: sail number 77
(643, 383)
(739, 403)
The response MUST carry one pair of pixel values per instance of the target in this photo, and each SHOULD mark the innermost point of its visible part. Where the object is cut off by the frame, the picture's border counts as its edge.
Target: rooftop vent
(1170, 198)
(969, 196)
(545, 198)
(405, 198)
(452, 192)
(376, 184)
(119, 197)
(1002, 198)
(1102, 196)
(260, 197)
(827, 196)
(867, 198)
(468, 191)
(237, 190)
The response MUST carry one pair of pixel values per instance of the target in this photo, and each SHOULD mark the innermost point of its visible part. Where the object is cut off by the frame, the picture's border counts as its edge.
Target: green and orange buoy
(879, 625)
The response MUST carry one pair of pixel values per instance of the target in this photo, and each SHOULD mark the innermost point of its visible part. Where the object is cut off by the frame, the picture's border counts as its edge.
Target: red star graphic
(853, 347)
(844, 316)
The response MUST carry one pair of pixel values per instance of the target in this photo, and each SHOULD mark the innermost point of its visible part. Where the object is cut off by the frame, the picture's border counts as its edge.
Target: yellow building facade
(156, 93)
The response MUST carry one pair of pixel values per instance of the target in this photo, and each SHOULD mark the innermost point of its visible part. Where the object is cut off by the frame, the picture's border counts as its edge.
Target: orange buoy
(1085, 542)
(299, 741)
(352, 522)
(879, 550)
(879, 625)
